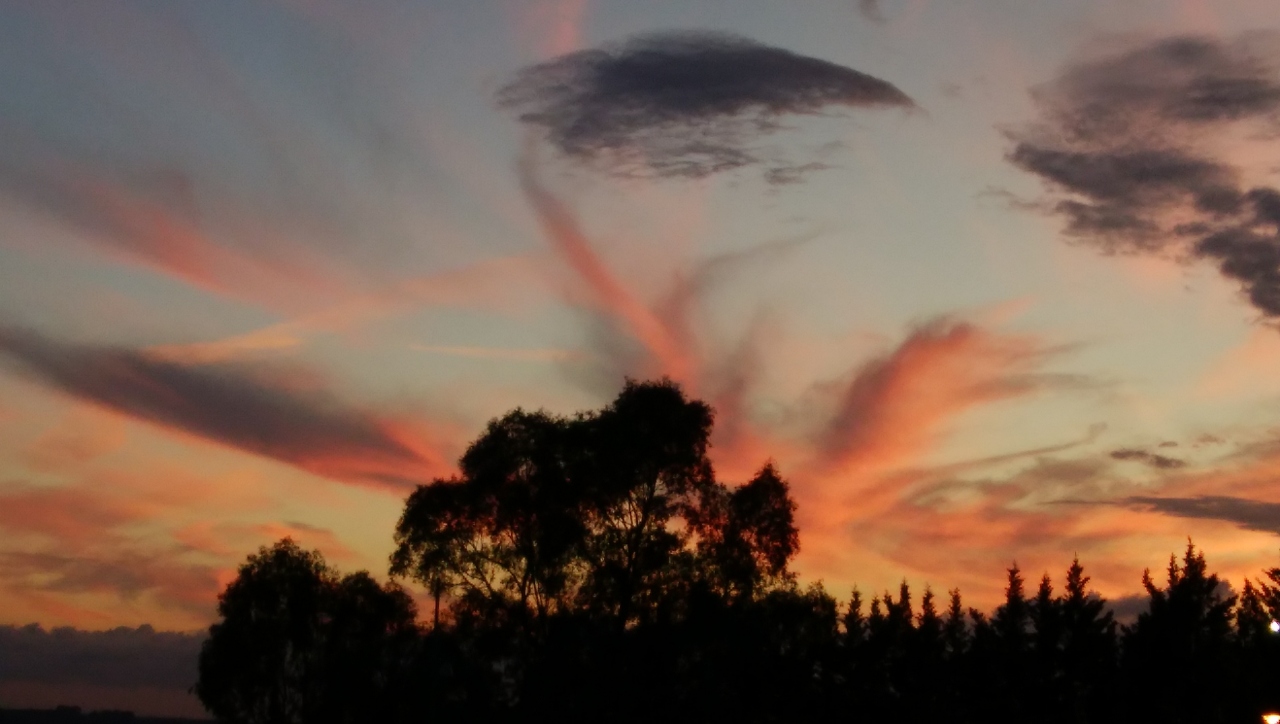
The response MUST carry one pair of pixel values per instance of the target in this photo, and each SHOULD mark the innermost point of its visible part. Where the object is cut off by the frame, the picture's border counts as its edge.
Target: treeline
(592, 568)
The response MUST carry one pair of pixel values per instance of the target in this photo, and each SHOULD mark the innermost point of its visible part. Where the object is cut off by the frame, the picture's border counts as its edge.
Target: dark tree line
(592, 568)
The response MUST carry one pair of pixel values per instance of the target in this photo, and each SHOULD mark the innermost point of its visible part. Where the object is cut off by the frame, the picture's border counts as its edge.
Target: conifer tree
(1269, 590)
(929, 623)
(1252, 619)
(1012, 618)
(1089, 649)
(1184, 636)
(854, 621)
(955, 632)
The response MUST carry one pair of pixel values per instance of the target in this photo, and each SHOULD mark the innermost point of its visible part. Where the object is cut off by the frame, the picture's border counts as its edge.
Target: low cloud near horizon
(141, 669)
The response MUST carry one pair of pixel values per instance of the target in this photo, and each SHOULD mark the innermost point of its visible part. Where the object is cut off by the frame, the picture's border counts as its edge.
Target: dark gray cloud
(1248, 514)
(224, 404)
(119, 657)
(1126, 609)
(786, 175)
(1127, 146)
(1159, 462)
(681, 104)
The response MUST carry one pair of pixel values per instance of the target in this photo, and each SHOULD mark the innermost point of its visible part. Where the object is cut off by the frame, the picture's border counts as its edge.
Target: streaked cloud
(152, 223)
(607, 291)
(1248, 514)
(230, 406)
(682, 104)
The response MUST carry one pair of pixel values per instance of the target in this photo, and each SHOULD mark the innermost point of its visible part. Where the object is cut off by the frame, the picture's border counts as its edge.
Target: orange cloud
(954, 526)
(80, 438)
(894, 406)
(107, 549)
(231, 540)
(858, 479)
(72, 515)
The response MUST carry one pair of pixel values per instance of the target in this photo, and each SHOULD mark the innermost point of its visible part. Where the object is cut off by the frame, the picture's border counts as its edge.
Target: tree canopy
(592, 567)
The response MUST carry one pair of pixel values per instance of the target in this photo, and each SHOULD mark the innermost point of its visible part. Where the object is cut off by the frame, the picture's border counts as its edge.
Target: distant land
(69, 714)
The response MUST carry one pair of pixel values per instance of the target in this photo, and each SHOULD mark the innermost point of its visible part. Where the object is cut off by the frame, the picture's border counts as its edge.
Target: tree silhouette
(1259, 647)
(296, 643)
(592, 568)
(1087, 650)
(261, 663)
(748, 535)
(1184, 636)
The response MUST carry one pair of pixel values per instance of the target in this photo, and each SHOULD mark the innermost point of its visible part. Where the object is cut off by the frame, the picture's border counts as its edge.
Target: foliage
(592, 568)
(298, 643)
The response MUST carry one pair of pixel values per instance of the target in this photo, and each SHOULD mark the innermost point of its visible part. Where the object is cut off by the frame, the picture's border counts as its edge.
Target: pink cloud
(608, 293)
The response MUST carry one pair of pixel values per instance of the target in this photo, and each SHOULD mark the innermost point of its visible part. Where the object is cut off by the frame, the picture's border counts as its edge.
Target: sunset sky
(989, 282)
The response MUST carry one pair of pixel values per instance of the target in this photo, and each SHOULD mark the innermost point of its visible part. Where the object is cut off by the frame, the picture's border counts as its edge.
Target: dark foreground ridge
(593, 569)
(73, 715)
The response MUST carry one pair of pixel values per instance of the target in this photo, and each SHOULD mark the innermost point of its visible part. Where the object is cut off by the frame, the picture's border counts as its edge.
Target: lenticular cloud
(686, 104)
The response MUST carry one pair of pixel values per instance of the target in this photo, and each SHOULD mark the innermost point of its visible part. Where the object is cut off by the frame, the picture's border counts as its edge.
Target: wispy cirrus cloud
(892, 406)
(865, 492)
(167, 148)
(128, 574)
(683, 104)
(607, 291)
(155, 223)
(89, 553)
(1155, 150)
(1080, 498)
(506, 285)
(230, 406)
(660, 335)
(115, 541)
(503, 353)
